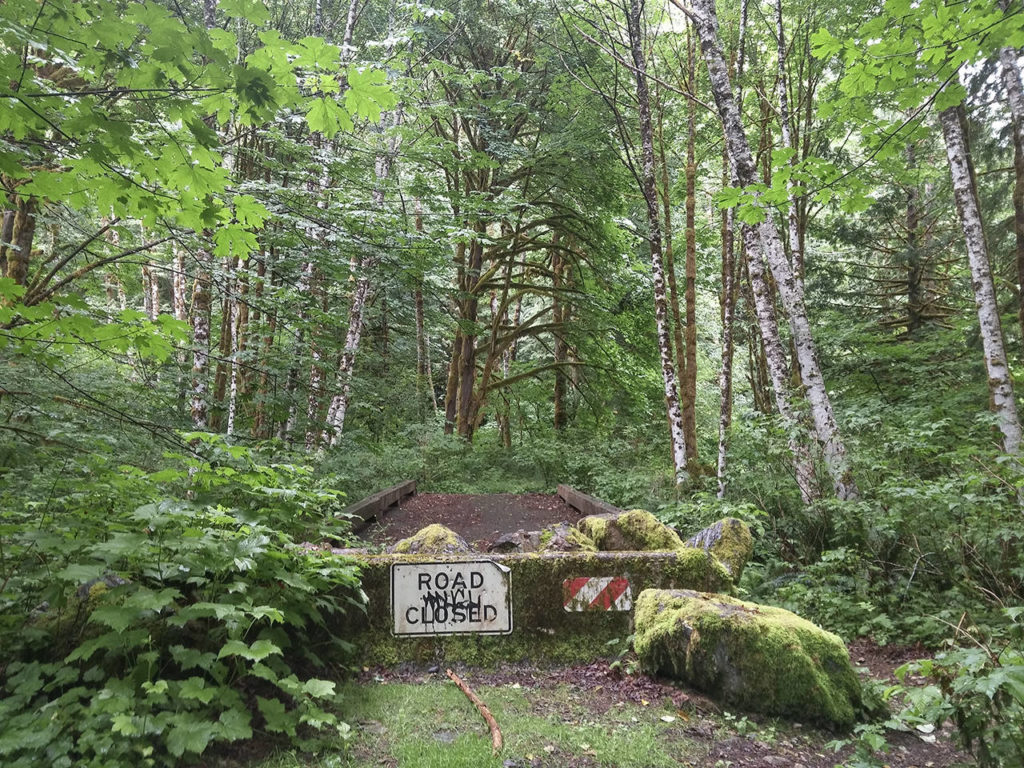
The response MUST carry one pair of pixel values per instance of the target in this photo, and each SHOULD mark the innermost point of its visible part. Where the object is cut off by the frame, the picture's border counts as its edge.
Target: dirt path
(478, 519)
(706, 736)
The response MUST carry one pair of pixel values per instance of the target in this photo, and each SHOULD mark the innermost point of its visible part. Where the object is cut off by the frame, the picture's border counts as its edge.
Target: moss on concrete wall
(542, 629)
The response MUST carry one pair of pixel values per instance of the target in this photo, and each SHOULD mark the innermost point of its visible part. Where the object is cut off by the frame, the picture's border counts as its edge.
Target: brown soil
(735, 740)
(478, 519)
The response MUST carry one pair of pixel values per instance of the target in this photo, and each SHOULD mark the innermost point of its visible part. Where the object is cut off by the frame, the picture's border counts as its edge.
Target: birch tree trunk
(654, 241)
(786, 126)
(221, 369)
(233, 349)
(775, 358)
(678, 346)
(1010, 74)
(147, 292)
(688, 380)
(338, 409)
(965, 193)
(201, 301)
(292, 382)
(768, 245)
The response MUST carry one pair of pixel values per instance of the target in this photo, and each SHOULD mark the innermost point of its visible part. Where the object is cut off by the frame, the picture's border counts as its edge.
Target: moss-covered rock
(730, 541)
(634, 531)
(520, 541)
(433, 540)
(594, 528)
(748, 656)
(562, 537)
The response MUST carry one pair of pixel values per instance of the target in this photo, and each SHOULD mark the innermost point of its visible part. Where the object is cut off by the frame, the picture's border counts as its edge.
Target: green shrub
(979, 687)
(138, 634)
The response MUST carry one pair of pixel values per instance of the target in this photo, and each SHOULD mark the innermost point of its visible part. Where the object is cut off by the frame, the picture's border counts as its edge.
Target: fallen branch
(491, 722)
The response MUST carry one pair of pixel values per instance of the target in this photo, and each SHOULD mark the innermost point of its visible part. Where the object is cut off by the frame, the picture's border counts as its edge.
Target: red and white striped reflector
(598, 593)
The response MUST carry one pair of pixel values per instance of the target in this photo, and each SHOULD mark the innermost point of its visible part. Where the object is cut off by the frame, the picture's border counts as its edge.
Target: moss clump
(730, 541)
(634, 531)
(594, 528)
(746, 655)
(564, 538)
(435, 539)
(642, 529)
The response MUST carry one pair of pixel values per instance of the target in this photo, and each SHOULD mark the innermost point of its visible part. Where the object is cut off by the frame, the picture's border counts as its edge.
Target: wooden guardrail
(588, 505)
(366, 509)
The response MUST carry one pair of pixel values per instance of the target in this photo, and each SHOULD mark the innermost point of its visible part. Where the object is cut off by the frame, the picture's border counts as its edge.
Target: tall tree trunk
(227, 333)
(765, 238)
(6, 236)
(422, 369)
(1010, 73)
(201, 301)
(179, 308)
(728, 304)
(23, 230)
(451, 396)
(678, 346)
(343, 386)
(314, 427)
(633, 19)
(786, 129)
(287, 426)
(338, 409)
(688, 382)
(469, 307)
(561, 348)
(423, 374)
(915, 262)
(147, 291)
(235, 348)
(262, 426)
(775, 358)
(965, 193)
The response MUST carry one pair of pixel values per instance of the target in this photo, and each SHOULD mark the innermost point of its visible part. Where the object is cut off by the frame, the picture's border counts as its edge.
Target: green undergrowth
(433, 725)
(147, 617)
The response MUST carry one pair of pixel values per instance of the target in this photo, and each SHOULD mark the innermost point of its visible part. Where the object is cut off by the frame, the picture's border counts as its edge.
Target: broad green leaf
(327, 117)
(258, 651)
(195, 688)
(189, 734)
(235, 724)
(318, 689)
(277, 719)
(368, 93)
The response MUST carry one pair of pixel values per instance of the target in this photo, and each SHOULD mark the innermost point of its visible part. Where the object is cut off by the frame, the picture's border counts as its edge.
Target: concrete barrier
(563, 606)
(366, 509)
(588, 505)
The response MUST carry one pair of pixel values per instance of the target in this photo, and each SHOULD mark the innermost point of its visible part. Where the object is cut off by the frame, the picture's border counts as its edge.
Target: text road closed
(451, 598)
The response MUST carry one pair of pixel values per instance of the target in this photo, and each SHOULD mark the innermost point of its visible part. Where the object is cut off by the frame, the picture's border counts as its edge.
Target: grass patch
(432, 725)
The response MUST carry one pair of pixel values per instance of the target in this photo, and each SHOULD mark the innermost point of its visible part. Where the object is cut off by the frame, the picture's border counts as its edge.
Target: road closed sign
(464, 597)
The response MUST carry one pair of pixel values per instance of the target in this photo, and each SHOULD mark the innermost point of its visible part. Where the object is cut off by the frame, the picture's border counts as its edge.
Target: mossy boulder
(520, 541)
(730, 541)
(748, 656)
(634, 531)
(563, 537)
(435, 539)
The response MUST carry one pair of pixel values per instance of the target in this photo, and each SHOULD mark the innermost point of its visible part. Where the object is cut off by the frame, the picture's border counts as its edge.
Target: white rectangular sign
(451, 598)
